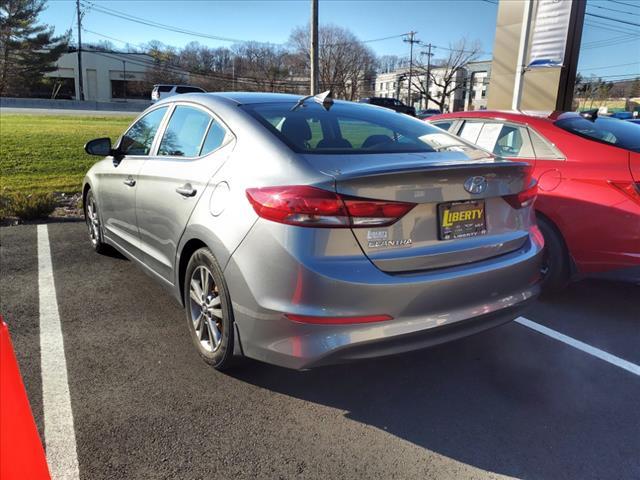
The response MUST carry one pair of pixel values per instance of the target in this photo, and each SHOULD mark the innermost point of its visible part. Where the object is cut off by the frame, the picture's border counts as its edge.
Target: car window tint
(360, 134)
(512, 141)
(165, 88)
(214, 139)
(471, 131)
(442, 125)
(185, 132)
(542, 148)
(350, 128)
(188, 90)
(139, 138)
(613, 131)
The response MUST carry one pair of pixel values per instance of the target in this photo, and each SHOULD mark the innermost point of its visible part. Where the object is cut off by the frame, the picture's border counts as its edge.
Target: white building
(470, 96)
(478, 74)
(107, 76)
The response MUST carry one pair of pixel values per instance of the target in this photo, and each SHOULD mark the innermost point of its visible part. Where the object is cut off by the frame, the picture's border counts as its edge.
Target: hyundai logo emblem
(475, 184)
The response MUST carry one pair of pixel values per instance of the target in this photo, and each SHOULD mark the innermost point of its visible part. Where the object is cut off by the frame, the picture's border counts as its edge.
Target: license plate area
(461, 219)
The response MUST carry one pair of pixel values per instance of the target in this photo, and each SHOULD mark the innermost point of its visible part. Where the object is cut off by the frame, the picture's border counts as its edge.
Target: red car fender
(21, 452)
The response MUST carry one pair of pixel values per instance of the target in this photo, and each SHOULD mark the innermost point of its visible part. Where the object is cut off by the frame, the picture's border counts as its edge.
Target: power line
(105, 36)
(178, 69)
(613, 19)
(591, 5)
(611, 66)
(629, 75)
(611, 42)
(151, 23)
(611, 28)
(623, 3)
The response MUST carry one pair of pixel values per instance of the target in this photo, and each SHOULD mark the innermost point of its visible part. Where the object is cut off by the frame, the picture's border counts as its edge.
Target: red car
(588, 172)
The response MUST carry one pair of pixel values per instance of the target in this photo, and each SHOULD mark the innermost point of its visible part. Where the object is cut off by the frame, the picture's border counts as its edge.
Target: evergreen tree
(27, 50)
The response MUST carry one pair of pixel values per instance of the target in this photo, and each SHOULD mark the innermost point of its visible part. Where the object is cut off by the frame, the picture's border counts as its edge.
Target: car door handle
(130, 182)
(186, 190)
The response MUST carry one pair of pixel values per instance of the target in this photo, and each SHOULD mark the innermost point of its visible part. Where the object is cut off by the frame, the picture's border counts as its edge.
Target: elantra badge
(475, 184)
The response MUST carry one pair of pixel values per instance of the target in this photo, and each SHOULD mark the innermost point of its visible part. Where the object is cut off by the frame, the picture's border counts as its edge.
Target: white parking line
(596, 352)
(60, 439)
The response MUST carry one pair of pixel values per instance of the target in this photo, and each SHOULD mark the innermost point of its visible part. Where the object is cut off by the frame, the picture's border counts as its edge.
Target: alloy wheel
(206, 309)
(93, 222)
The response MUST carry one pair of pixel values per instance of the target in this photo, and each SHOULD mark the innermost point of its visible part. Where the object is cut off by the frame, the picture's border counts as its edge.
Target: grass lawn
(44, 153)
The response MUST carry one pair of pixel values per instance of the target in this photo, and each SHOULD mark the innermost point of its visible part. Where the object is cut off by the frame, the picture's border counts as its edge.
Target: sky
(610, 48)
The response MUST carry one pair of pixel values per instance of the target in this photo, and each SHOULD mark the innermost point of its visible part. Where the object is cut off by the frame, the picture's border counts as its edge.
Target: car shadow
(508, 401)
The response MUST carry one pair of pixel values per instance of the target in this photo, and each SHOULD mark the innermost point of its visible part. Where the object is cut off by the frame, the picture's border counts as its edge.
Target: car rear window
(605, 130)
(350, 128)
(188, 90)
(165, 88)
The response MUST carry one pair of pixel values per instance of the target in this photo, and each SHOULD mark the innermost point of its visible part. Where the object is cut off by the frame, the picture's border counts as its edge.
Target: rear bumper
(423, 338)
(272, 274)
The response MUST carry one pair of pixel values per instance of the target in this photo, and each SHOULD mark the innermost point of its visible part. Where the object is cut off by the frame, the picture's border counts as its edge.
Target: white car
(163, 91)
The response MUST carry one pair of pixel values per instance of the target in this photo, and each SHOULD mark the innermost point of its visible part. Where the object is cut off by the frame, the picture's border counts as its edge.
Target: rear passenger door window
(502, 139)
(471, 131)
(185, 132)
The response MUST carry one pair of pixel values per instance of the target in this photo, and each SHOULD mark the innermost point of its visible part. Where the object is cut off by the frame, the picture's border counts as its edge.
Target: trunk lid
(432, 181)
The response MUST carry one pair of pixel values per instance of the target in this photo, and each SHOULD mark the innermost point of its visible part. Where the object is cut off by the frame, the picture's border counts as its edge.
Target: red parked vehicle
(588, 172)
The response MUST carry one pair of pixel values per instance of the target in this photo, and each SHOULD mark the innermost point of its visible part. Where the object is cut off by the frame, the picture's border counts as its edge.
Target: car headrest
(296, 130)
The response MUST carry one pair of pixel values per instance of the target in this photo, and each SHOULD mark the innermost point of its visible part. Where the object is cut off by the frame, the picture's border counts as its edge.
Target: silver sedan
(303, 231)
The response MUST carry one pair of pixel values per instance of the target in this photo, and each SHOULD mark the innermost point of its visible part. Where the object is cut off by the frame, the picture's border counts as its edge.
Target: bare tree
(262, 67)
(346, 64)
(164, 68)
(389, 63)
(445, 73)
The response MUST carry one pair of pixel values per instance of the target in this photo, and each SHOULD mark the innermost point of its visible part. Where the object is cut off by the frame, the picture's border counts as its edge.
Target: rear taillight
(524, 198)
(630, 189)
(314, 207)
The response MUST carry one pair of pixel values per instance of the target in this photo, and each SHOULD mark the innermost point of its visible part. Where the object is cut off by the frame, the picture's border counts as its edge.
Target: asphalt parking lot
(508, 402)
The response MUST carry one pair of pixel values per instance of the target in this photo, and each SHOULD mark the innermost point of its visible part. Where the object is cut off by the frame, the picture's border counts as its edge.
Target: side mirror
(99, 146)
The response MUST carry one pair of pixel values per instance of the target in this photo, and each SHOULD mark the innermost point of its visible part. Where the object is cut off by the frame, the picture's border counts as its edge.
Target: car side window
(188, 90)
(471, 130)
(544, 149)
(214, 139)
(185, 132)
(513, 141)
(443, 125)
(139, 138)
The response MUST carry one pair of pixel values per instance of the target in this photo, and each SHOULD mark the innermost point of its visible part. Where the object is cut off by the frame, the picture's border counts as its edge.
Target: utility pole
(411, 40)
(124, 76)
(80, 81)
(233, 73)
(429, 55)
(314, 47)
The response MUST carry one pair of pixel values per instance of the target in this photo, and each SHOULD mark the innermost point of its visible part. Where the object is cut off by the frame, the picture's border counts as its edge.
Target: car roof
(512, 115)
(257, 97)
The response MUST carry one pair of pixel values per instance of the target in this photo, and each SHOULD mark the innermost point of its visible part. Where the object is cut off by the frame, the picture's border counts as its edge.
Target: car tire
(556, 271)
(92, 219)
(208, 310)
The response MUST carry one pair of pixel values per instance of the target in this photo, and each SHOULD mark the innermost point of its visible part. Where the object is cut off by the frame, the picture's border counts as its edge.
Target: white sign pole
(522, 52)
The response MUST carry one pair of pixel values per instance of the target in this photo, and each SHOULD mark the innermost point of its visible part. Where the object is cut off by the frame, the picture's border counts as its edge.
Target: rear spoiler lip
(433, 168)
